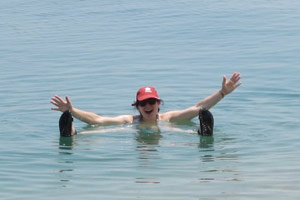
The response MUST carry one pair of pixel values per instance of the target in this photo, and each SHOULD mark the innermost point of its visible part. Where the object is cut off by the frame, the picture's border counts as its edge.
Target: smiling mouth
(148, 111)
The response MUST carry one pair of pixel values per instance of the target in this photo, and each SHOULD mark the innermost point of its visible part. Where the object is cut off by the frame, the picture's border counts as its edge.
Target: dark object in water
(206, 123)
(65, 124)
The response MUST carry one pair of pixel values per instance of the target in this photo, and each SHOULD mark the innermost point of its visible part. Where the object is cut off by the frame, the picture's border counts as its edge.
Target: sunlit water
(100, 52)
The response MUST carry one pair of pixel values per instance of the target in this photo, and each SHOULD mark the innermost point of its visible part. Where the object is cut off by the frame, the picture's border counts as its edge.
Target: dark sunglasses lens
(150, 101)
(142, 103)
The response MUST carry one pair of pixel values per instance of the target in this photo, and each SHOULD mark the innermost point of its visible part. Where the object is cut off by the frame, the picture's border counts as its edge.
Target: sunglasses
(149, 101)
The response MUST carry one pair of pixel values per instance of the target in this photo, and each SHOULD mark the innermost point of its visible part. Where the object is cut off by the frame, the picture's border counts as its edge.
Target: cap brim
(144, 97)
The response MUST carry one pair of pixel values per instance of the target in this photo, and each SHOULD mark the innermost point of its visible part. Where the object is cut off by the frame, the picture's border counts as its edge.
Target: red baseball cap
(146, 93)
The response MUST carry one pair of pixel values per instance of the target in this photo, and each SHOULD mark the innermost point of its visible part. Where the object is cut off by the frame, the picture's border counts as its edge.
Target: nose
(147, 104)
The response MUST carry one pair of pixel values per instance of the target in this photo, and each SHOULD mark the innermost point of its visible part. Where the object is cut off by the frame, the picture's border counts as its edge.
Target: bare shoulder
(136, 118)
(126, 118)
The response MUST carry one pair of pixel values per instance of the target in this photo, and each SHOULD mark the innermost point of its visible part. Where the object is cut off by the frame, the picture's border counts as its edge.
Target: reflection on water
(218, 154)
(206, 143)
(148, 134)
(228, 175)
(65, 159)
(66, 143)
(213, 150)
(206, 146)
(146, 180)
(221, 175)
(147, 137)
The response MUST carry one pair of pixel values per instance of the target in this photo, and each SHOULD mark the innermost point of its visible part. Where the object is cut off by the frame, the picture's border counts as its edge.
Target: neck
(149, 121)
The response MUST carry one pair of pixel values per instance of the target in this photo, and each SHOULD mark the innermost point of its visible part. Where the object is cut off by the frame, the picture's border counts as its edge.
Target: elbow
(95, 121)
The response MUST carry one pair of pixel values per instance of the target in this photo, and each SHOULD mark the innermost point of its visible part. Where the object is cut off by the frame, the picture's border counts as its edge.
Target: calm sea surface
(100, 52)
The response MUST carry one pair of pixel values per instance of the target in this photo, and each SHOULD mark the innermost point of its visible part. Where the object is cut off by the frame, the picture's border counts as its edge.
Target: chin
(151, 116)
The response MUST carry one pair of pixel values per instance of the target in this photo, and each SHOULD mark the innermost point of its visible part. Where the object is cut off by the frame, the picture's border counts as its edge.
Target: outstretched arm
(228, 86)
(87, 117)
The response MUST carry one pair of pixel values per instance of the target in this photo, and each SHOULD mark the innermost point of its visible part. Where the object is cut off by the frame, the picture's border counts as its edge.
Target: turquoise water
(100, 52)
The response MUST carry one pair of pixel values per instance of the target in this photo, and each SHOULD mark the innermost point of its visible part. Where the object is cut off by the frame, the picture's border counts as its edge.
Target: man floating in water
(148, 104)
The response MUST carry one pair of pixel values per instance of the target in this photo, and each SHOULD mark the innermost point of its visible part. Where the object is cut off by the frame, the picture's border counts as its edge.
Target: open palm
(231, 84)
(61, 104)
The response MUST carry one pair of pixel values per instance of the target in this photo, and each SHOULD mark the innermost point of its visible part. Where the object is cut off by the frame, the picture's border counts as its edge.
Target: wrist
(222, 93)
(71, 110)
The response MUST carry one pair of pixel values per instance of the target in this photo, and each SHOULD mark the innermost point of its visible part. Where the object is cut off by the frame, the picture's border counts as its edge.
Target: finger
(238, 85)
(68, 100)
(55, 98)
(237, 79)
(238, 75)
(224, 80)
(60, 99)
(235, 75)
(232, 77)
(56, 101)
(56, 109)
